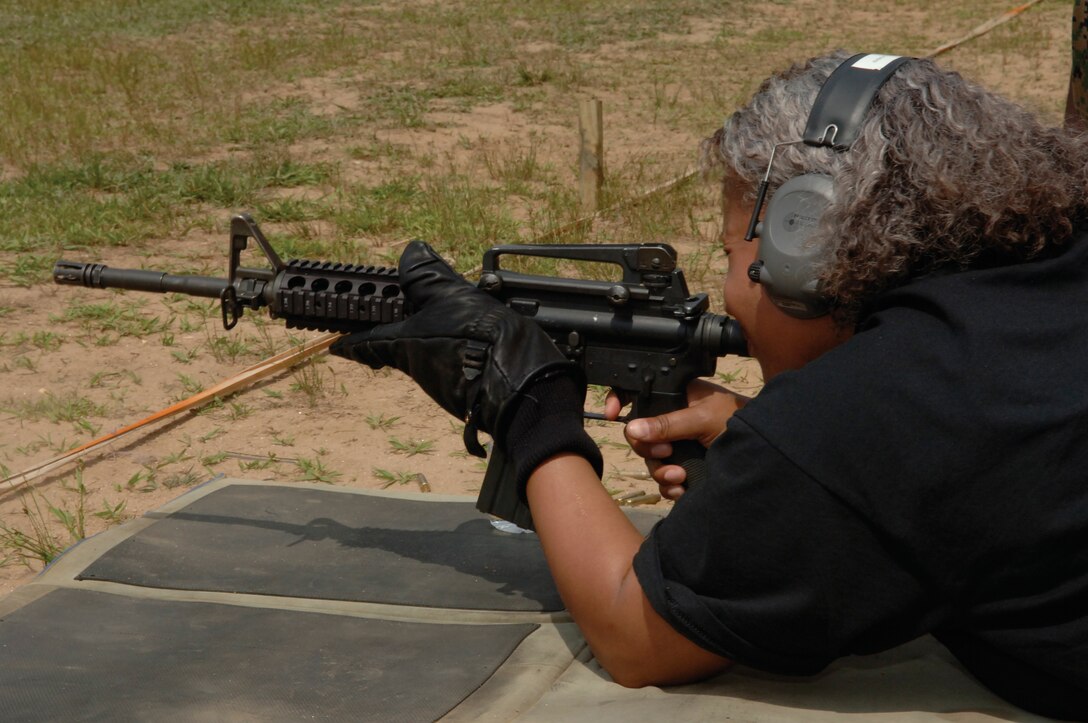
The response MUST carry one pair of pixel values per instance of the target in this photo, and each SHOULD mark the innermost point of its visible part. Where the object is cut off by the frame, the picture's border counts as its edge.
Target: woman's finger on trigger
(613, 405)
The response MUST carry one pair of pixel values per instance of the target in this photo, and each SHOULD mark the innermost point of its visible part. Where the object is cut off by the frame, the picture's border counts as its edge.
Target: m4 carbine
(643, 335)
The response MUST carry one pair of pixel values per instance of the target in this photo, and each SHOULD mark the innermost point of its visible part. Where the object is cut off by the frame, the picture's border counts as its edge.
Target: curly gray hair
(944, 174)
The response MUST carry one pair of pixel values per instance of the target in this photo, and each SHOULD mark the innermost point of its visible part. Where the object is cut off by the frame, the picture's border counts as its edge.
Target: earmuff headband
(844, 99)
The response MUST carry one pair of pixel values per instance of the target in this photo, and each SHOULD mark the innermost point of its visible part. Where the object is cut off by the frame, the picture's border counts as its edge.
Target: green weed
(185, 356)
(191, 387)
(315, 470)
(391, 478)
(112, 514)
(142, 481)
(123, 319)
(209, 436)
(211, 460)
(25, 362)
(381, 421)
(411, 447)
(188, 478)
(53, 408)
(311, 380)
(100, 378)
(258, 464)
(238, 411)
(35, 541)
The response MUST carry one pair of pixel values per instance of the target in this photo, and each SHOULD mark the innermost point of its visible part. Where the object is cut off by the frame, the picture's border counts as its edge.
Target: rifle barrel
(100, 276)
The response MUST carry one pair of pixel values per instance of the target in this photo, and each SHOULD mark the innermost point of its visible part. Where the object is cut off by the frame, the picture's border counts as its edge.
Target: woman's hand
(472, 354)
(709, 409)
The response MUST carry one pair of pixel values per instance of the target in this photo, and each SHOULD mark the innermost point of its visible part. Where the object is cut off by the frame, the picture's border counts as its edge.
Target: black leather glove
(481, 361)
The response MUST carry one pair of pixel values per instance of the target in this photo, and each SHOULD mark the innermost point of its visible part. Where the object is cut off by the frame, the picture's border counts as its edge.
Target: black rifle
(644, 335)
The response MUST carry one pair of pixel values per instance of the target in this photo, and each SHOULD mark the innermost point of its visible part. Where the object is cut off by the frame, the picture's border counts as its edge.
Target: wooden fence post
(591, 152)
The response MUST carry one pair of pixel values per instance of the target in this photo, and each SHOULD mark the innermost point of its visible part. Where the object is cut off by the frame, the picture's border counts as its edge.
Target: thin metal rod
(246, 377)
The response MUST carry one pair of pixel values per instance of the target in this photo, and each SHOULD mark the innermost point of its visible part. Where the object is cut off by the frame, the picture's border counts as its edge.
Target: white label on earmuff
(874, 62)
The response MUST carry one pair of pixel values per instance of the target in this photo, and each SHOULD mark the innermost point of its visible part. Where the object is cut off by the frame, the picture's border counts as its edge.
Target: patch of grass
(35, 541)
(32, 542)
(112, 200)
(73, 520)
(45, 442)
(238, 411)
(411, 447)
(209, 436)
(110, 513)
(29, 269)
(228, 347)
(233, 184)
(190, 386)
(389, 478)
(263, 463)
(25, 362)
(211, 460)
(92, 203)
(101, 379)
(461, 218)
(184, 356)
(287, 210)
(381, 421)
(399, 107)
(379, 150)
(110, 75)
(141, 481)
(181, 455)
(88, 427)
(125, 318)
(280, 122)
(517, 167)
(312, 380)
(187, 478)
(53, 408)
(314, 470)
(43, 340)
(218, 184)
(302, 243)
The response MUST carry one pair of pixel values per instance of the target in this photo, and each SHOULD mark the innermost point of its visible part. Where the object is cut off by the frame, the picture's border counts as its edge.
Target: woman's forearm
(590, 547)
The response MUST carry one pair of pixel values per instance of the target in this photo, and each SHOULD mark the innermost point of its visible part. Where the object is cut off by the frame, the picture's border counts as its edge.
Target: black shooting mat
(82, 655)
(308, 543)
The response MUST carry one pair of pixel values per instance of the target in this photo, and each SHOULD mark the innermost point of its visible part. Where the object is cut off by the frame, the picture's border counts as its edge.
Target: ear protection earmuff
(788, 261)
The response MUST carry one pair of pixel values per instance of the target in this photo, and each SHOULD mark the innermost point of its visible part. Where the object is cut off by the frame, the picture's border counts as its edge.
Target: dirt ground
(331, 420)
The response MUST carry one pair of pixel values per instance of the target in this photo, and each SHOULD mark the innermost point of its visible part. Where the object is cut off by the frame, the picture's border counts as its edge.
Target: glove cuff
(546, 422)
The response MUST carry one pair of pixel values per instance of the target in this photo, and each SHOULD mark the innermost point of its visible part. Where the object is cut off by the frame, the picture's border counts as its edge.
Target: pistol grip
(690, 455)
